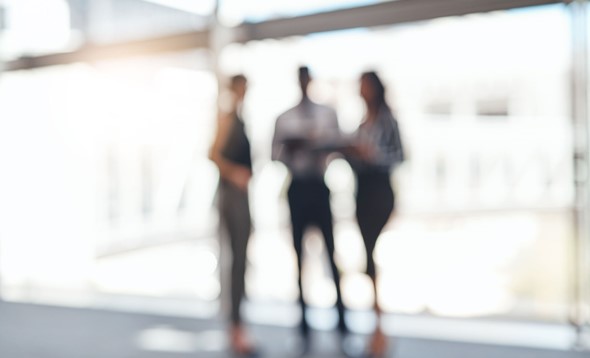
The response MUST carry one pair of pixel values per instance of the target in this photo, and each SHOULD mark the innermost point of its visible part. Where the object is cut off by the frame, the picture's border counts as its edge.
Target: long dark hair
(378, 88)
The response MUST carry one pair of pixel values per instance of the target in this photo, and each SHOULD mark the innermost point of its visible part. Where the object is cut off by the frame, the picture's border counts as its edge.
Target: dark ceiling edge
(386, 13)
(179, 42)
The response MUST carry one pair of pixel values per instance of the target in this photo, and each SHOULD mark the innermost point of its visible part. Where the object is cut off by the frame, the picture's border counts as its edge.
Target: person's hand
(363, 151)
(240, 177)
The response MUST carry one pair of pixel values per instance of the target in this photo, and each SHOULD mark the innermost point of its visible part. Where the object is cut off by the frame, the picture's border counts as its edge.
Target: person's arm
(398, 155)
(234, 173)
(336, 124)
(390, 151)
(279, 150)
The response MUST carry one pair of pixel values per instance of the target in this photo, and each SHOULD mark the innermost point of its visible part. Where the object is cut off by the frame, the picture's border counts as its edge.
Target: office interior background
(107, 197)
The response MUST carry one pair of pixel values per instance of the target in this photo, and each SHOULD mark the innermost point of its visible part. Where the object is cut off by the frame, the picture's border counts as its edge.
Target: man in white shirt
(300, 134)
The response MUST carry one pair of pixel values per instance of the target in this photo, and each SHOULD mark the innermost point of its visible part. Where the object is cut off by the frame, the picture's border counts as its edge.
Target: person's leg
(378, 344)
(325, 222)
(239, 243)
(374, 206)
(236, 213)
(298, 223)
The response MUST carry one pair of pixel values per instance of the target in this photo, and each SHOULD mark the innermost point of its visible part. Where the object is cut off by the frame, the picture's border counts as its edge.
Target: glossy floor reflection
(34, 331)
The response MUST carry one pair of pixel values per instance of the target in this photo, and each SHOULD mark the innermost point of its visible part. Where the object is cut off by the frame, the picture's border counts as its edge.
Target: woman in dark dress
(376, 151)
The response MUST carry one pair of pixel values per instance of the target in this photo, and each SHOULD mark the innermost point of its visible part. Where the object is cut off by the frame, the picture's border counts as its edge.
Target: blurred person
(231, 153)
(298, 132)
(375, 151)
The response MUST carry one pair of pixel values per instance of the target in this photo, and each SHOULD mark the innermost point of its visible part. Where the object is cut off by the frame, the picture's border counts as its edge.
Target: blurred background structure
(107, 110)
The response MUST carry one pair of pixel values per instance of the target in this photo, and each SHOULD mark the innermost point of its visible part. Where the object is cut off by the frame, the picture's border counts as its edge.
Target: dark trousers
(374, 204)
(309, 202)
(235, 219)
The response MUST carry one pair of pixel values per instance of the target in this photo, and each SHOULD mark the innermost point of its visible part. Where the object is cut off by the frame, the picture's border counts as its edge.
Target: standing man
(298, 134)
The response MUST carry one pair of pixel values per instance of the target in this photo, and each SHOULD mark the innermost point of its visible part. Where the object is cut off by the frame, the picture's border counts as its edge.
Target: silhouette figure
(231, 154)
(298, 132)
(376, 150)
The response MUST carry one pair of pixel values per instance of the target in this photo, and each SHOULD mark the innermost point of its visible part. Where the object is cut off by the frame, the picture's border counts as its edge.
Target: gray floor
(33, 331)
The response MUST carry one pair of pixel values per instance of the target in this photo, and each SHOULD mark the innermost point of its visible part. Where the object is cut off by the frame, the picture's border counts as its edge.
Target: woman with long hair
(376, 151)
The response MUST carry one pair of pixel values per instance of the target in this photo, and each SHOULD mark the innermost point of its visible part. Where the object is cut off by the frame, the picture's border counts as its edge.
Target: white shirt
(309, 125)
